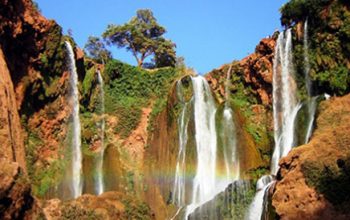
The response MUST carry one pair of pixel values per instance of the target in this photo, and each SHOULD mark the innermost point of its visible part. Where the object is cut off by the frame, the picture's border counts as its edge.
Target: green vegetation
(143, 37)
(329, 48)
(43, 174)
(129, 89)
(89, 131)
(135, 209)
(243, 98)
(158, 107)
(298, 10)
(255, 174)
(91, 91)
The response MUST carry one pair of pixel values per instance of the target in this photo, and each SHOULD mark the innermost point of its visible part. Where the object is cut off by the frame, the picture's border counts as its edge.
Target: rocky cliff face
(12, 147)
(32, 94)
(313, 182)
(254, 72)
(33, 49)
(15, 192)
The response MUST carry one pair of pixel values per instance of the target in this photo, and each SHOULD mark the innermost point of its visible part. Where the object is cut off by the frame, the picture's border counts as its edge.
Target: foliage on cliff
(128, 89)
(329, 37)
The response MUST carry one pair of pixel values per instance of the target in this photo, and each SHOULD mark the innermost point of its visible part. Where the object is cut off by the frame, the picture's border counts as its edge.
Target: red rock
(11, 138)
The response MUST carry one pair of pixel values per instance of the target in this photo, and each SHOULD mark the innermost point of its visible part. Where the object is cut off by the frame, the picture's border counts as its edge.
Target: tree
(143, 37)
(96, 49)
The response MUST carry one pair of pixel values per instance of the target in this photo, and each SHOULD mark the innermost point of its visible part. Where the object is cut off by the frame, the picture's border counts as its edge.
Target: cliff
(12, 148)
(141, 115)
(15, 190)
(313, 181)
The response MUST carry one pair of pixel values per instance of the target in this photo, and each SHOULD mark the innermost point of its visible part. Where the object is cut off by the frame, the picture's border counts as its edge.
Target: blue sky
(207, 33)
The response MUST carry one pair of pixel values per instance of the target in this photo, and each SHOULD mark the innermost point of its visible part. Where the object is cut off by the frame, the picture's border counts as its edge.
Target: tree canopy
(96, 49)
(143, 37)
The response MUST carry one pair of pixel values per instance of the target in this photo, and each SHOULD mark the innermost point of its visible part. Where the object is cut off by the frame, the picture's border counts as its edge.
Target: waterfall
(285, 109)
(209, 179)
(207, 182)
(99, 167)
(229, 137)
(76, 134)
(312, 100)
(285, 103)
(256, 208)
(179, 185)
(204, 183)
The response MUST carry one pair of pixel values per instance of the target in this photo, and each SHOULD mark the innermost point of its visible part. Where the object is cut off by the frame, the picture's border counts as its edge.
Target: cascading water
(312, 100)
(229, 137)
(99, 165)
(207, 182)
(179, 185)
(256, 208)
(204, 183)
(285, 109)
(285, 103)
(76, 179)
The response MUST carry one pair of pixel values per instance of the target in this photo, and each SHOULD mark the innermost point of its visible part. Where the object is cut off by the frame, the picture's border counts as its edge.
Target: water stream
(76, 179)
(99, 165)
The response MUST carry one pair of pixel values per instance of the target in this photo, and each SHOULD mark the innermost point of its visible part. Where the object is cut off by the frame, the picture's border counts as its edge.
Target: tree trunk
(139, 63)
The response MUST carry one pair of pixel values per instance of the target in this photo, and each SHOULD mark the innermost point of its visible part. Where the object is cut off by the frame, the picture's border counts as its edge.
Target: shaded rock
(16, 201)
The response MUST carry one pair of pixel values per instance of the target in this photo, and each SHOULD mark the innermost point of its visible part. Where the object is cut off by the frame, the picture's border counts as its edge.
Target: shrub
(128, 89)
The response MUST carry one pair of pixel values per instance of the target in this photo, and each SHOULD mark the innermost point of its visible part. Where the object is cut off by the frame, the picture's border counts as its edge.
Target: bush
(128, 89)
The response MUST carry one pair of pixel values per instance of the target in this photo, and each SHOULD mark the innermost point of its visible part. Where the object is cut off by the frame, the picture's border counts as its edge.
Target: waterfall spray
(76, 136)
